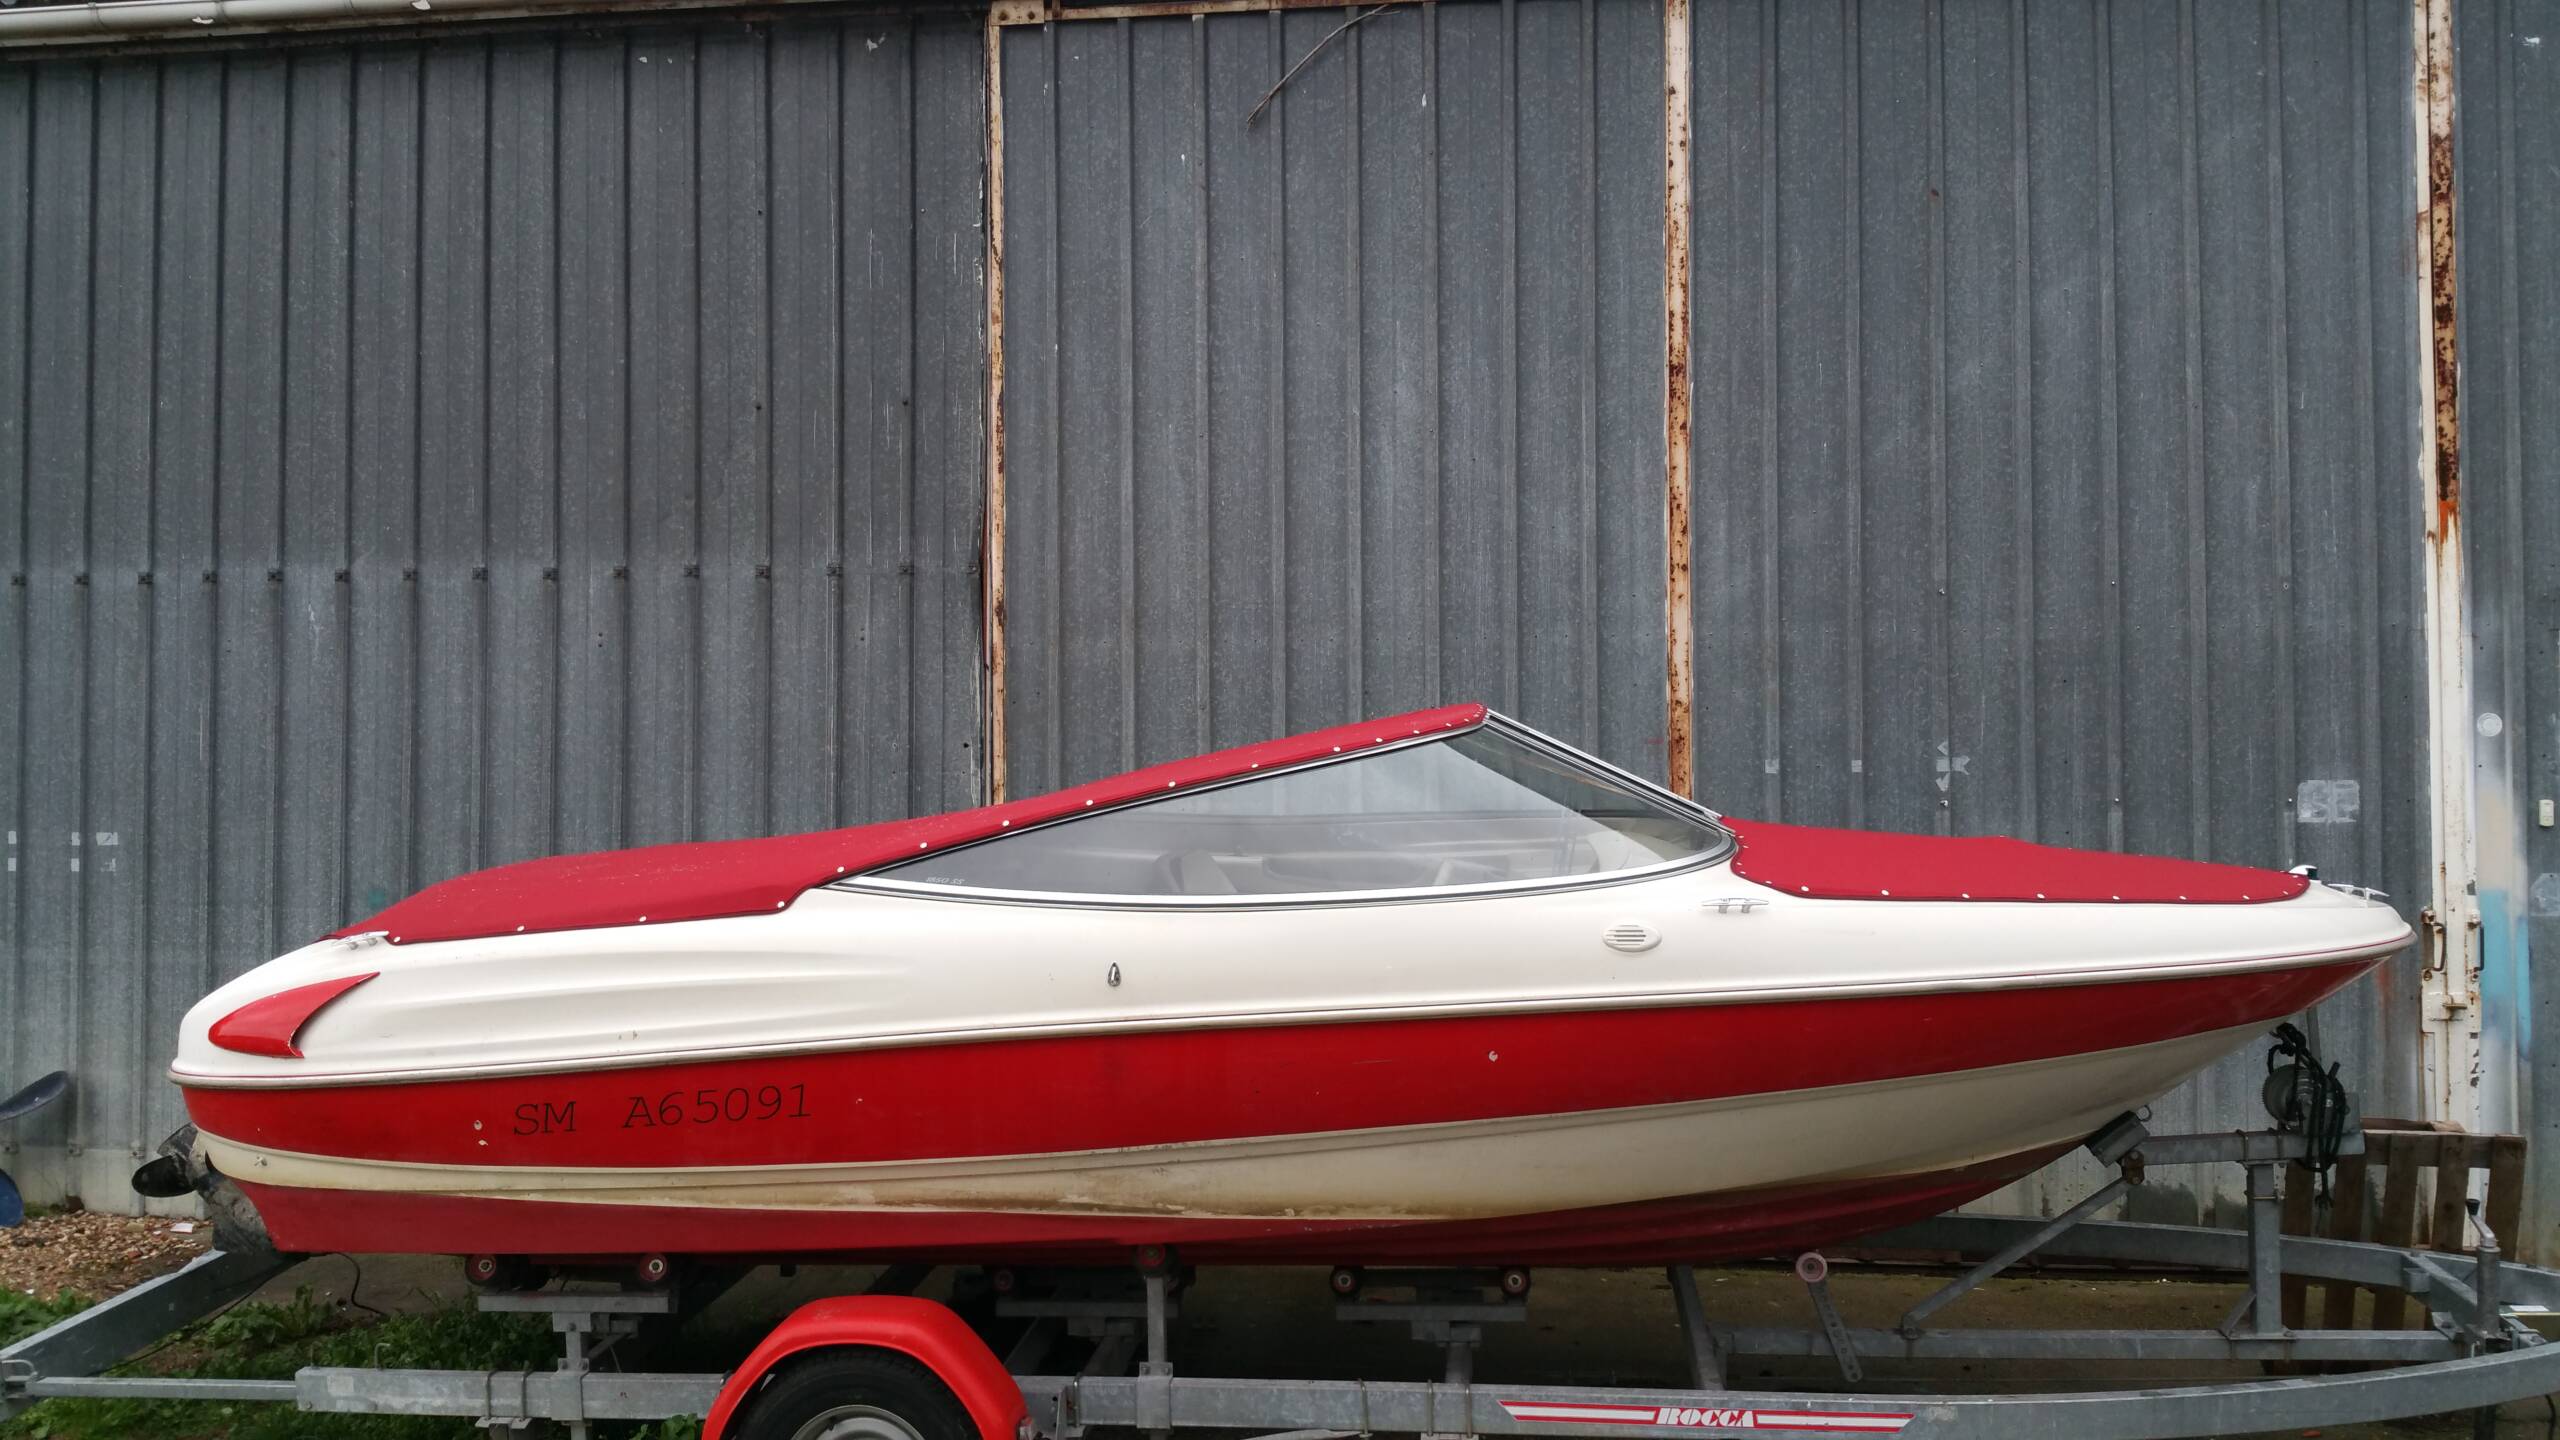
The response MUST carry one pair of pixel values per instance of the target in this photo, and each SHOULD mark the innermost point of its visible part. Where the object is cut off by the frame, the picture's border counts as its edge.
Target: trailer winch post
(1159, 1359)
(2266, 1252)
(2486, 1315)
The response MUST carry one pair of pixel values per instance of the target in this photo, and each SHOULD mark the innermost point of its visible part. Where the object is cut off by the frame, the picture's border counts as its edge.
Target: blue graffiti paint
(2506, 1000)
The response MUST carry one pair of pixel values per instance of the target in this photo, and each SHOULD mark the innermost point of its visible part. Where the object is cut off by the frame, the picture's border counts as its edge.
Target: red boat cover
(1866, 865)
(713, 878)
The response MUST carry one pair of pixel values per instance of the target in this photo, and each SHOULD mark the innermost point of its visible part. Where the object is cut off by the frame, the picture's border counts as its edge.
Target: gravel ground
(95, 1255)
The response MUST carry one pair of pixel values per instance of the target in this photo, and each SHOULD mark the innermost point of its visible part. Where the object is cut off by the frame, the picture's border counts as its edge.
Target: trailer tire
(854, 1394)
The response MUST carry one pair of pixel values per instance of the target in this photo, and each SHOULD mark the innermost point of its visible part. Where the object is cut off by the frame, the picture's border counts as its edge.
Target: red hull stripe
(1706, 1227)
(709, 879)
(1154, 1087)
(1870, 865)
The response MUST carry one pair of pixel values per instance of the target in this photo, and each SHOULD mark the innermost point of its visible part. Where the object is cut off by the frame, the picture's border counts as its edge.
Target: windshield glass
(1481, 808)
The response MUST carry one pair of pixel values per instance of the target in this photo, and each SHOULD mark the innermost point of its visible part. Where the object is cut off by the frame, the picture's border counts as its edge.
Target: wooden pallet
(2398, 1155)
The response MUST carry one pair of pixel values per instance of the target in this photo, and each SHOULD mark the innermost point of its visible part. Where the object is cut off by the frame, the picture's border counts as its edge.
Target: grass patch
(24, 1315)
(256, 1341)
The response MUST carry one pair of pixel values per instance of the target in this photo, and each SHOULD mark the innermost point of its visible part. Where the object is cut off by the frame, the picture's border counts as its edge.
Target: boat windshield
(1479, 810)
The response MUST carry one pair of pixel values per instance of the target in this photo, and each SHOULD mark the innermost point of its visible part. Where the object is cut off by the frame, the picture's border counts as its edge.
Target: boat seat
(1466, 872)
(1192, 872)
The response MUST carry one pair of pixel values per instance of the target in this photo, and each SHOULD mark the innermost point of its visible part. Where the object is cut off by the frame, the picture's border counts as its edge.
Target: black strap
(2315, 1107)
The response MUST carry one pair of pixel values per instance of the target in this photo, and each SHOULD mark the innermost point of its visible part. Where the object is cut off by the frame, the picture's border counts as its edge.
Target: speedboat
(1432, 989)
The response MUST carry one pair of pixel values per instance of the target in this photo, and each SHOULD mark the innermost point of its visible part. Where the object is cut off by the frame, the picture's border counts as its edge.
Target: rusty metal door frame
(1679, 679)
(1679, 686)
(991, 612)
(2452, 1064)
(1002, 16)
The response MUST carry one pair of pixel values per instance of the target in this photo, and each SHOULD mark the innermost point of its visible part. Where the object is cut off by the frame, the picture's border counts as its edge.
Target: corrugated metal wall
(2508, 196)
(1342, 410)
(418, 457)
(2056, 443)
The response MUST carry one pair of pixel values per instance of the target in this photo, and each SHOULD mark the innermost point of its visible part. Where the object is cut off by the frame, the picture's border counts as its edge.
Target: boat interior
(1472, 810)
(1141, 853)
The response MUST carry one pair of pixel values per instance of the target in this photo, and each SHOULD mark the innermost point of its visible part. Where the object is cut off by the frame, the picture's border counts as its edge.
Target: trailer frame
(2475, 1351)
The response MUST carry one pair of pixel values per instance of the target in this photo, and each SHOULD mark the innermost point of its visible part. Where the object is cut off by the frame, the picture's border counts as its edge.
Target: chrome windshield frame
(871, 882)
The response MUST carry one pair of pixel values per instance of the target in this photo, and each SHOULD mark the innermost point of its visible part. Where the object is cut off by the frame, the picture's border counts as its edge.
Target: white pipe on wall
(131, 19)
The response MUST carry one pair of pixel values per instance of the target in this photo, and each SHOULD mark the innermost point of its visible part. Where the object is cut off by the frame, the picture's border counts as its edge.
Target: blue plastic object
(35, 1097)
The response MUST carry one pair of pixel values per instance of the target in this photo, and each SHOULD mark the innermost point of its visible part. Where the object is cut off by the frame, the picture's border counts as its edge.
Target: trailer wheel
(856, 1394)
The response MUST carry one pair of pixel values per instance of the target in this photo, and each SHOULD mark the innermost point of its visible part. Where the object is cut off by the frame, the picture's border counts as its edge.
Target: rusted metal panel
(417, 456)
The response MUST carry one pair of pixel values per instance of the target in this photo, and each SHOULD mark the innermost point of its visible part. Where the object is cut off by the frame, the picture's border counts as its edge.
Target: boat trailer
(2473, 1353)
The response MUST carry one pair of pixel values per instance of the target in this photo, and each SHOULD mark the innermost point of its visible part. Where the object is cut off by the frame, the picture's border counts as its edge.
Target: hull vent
(1631, 936)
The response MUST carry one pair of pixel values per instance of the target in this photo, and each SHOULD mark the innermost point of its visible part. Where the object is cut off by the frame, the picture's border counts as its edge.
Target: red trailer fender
(921, 1330)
